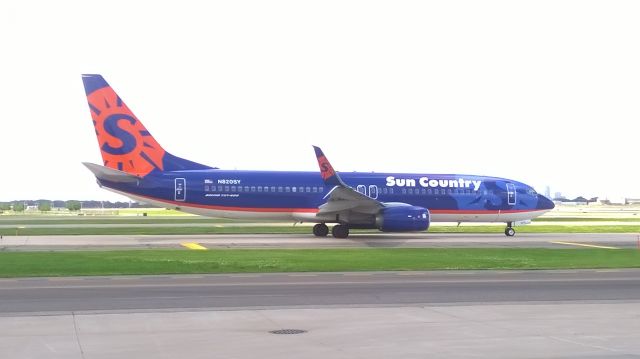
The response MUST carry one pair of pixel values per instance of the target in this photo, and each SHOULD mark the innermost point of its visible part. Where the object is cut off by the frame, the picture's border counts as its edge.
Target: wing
(342, 200)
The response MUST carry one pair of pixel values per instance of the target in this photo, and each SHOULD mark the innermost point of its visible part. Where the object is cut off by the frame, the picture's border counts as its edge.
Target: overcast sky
(544, 92)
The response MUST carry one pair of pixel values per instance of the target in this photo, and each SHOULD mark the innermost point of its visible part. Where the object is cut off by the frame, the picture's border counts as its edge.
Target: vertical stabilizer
(125, 144)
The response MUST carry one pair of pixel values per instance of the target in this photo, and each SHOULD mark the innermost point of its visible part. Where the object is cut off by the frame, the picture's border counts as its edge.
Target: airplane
(137, 166)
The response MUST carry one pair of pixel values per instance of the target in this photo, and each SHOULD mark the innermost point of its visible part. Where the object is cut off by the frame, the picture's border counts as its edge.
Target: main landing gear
(320, 230)
(338, 231)
(509, 231)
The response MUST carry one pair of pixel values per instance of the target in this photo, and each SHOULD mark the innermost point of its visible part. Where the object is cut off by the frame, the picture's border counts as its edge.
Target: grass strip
(230, 229)
(585, 219)
(53, 231)
(34, 264)
(552, 228)
(134, 220)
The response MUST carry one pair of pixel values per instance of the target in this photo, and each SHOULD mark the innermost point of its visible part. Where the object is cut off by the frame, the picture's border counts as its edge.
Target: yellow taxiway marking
(584, 245)
(195, 246)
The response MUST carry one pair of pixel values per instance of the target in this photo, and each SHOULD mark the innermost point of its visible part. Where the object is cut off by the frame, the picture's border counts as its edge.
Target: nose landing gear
(509, 231)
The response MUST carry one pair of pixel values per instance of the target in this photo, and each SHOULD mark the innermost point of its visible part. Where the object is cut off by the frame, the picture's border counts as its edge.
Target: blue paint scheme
(404, 219)
(491, 196)
(93, 82)
(397, 201)
(128, 141)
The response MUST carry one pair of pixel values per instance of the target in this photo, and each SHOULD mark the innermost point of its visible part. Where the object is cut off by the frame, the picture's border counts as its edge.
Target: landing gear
(340, 231)
(509, 231)
(320, 230)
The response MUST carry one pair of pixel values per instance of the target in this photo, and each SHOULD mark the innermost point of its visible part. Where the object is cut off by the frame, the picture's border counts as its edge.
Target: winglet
(329, 175)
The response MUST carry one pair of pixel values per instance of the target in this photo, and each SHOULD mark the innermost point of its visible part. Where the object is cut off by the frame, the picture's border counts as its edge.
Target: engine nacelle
(403, 219)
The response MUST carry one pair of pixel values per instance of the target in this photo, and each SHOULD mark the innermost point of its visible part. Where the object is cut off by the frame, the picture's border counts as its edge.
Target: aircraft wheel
(340, 231)
(509, 232)
(320, 230)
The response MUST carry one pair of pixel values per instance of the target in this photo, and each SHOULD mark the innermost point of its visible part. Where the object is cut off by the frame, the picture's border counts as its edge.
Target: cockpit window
(532, 192)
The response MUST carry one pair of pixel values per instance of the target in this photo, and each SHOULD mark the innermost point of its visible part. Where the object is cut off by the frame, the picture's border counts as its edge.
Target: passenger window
(219, 188)
(307, 189)
(273, 189)
(253, 188)
(314, 189)
(233, 188)
(287, 189)
(280, 189)
(206, 188)
(226, 188)
(404, 191)
(259, 188)
(294, 189)
(301, 189)
(424, 191)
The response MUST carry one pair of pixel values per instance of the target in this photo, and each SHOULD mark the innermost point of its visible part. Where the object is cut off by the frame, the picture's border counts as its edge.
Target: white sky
(544, 92)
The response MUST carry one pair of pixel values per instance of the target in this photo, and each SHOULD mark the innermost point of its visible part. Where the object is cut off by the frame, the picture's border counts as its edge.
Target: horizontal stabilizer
(110, 174)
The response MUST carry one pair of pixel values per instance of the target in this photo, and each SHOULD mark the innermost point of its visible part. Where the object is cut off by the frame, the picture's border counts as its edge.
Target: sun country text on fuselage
(136, 165)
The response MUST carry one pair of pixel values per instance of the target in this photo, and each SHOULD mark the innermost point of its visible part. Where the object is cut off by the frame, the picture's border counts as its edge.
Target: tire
(320, 230)
(509, 232)
(340, 231)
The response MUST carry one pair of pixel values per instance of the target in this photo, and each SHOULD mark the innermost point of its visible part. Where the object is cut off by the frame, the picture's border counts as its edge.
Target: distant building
(547, 192)
(614, 200)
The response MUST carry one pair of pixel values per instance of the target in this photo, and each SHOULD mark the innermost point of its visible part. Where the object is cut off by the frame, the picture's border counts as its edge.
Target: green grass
(53, 231)
(539, 229)
(113, 220)
(585, 219)
(33, 264)
(230, 229)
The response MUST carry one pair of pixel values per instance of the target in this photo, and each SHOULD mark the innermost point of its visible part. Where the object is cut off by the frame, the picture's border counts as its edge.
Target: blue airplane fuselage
(136, 165)
(281, 195)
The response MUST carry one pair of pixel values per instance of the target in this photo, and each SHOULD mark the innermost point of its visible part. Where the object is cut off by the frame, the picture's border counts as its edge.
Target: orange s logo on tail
(125, 144)
(326, 170)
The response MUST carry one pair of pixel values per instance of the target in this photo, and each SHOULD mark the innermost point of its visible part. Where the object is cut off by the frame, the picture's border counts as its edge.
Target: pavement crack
(576, 342)
(77, 334)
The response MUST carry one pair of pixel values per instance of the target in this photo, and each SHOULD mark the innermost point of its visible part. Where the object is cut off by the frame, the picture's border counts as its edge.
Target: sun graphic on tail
(125, 143)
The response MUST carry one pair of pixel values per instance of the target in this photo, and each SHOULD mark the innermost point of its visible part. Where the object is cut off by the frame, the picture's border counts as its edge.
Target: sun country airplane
(136, 165)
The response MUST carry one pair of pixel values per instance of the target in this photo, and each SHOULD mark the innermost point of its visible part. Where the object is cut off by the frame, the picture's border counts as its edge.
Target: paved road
(412, 240)
(313, 289)
(479, 314)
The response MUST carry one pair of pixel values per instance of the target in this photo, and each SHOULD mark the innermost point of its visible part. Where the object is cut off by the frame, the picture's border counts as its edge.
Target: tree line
(44, 205)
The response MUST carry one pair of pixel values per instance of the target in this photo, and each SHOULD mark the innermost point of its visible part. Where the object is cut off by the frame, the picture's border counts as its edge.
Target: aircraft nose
(545, 203)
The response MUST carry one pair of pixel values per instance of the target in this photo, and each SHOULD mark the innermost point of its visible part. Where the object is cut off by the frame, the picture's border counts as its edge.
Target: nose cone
(545, 203)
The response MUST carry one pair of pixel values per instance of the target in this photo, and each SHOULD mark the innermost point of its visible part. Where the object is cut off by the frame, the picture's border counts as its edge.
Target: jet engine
(405, 218)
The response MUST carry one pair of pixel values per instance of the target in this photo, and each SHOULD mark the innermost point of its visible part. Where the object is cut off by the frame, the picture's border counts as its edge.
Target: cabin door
(511, 194)
(181, 189)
